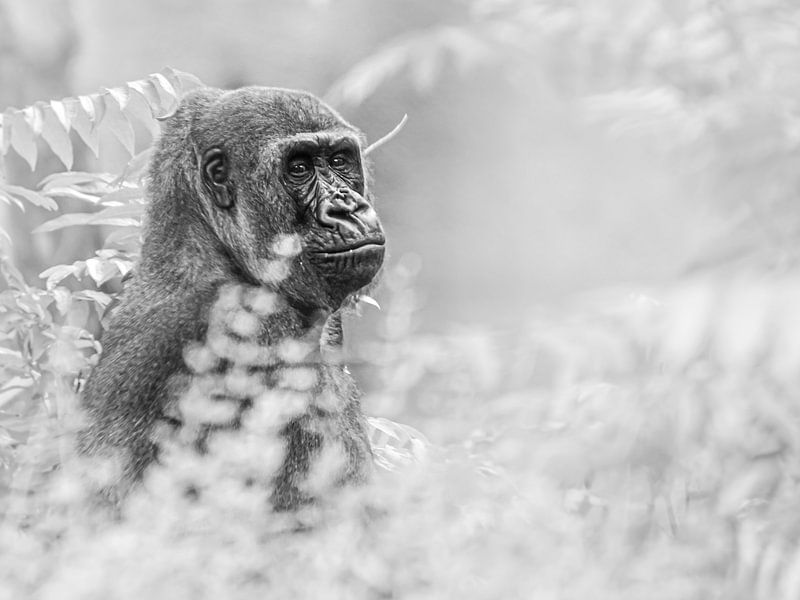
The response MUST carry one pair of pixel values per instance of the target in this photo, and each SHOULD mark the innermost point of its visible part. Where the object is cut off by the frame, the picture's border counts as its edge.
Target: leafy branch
(113, 110)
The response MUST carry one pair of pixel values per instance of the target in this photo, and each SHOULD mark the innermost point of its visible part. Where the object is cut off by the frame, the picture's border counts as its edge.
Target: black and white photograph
(400, 299)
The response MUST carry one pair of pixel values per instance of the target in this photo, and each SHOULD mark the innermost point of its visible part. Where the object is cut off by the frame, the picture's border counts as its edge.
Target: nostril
(333, 215)
(339, 212)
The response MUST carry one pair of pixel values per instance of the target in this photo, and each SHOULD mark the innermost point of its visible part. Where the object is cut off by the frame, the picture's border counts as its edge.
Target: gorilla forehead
(266, 112)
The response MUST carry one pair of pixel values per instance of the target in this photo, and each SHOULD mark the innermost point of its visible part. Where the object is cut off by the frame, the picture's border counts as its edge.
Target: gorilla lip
(366, 245)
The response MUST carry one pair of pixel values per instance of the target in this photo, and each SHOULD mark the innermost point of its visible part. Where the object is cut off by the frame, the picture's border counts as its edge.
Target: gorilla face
(343, 238)
(286, 164)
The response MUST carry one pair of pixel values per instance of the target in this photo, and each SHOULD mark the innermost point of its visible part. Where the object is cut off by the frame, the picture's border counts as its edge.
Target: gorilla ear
(215, 173)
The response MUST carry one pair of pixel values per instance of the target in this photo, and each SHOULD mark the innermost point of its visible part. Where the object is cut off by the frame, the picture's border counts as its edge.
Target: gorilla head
(275, 180)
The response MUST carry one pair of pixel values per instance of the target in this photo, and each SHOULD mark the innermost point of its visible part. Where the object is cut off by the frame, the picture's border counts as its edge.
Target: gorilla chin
(349, 269)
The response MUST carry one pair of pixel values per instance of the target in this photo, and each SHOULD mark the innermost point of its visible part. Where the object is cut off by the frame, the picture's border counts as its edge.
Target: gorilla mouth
(360, 247)
(348, 268)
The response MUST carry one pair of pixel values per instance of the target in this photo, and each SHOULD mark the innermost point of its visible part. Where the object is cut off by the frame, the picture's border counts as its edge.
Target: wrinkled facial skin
(317, 180)
(343, 237)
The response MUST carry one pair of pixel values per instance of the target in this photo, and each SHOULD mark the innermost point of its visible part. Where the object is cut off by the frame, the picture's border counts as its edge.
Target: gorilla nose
(349, 214)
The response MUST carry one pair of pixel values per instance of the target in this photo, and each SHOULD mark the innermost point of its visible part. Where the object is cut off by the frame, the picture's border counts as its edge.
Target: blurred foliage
(628, 445)
(715, 82)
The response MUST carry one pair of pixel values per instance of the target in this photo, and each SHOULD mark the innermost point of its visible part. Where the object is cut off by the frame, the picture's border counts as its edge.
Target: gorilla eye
(299, 168)
(342, 161)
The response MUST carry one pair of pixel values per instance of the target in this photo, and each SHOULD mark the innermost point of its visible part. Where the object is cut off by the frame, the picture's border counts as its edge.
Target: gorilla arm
(129, 388)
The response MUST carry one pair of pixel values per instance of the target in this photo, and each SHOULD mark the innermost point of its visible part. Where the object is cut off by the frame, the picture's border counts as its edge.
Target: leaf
(33, 197)
(395, 444)
(57, 137)
(120, 94)
(9, 356)
(139, 108)
(106, 253)
(184, 82)
(98, 218)
(60, 111)
(100, 270)
(132, 210)
(123, 196)
(11, 199)
(369, 300)
(12, 274)
(120, 127)
(68, 220)
(174, 80)
(119, 215)
(67, 178)
(168, 97)
(22, 139)
(63, 299)
(56, 274)
(72, 106)
(82, 123)
(386, 426)
(98, 101)
(13, 387)
(134, 171)
(123, 266)
(150, 94)
(88, 106)
(89, 187)
(98, 297)
(68, 192)
(165, 84)
(124, 238)
(33, 115)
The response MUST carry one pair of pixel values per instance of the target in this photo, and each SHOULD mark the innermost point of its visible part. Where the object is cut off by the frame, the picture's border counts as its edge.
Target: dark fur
(193, 247)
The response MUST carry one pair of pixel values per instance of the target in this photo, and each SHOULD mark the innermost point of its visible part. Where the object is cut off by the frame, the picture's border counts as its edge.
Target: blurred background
(551, 148)
(590, 305)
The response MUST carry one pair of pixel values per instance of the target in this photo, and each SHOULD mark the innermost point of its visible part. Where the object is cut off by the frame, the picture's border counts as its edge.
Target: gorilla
(258, 193)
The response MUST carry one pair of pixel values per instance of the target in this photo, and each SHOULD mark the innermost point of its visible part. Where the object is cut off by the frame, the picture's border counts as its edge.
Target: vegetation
(634, 445)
